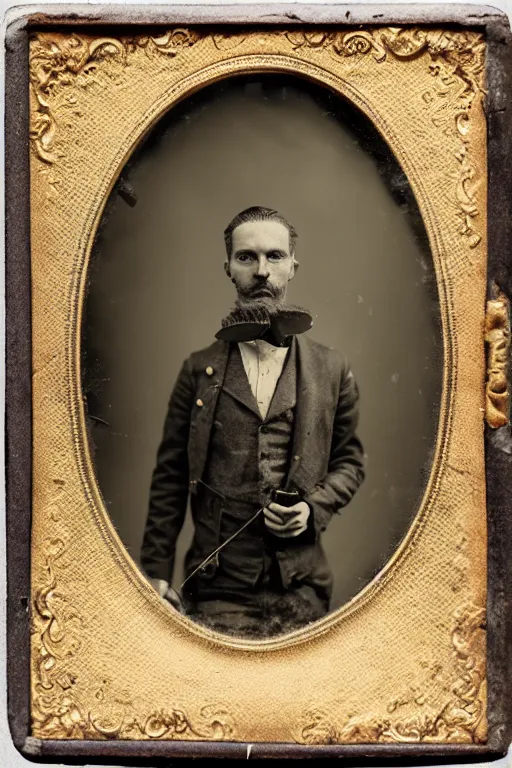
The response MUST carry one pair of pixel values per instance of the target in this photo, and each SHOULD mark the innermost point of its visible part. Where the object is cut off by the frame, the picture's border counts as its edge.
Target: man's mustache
(261, 288)
(267, 306)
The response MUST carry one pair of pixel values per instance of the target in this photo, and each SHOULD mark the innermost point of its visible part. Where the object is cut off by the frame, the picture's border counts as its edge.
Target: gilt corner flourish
(58, 709)
(461, 719)
(455, 59)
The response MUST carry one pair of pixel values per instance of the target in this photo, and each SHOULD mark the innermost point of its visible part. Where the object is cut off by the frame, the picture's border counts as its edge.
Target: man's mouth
(262, 291)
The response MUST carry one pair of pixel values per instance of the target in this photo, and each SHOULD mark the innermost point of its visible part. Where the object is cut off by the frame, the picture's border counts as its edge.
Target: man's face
(261, 263)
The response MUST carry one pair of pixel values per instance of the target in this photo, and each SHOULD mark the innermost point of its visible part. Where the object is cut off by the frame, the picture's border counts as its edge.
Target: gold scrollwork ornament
(497, 336)
(461, 719)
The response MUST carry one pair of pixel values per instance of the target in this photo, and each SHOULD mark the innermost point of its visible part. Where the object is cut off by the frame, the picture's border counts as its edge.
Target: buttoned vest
(248, 455)
(247, 458)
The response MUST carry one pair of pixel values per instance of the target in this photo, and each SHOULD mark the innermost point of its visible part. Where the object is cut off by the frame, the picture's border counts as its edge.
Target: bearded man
(261, 434)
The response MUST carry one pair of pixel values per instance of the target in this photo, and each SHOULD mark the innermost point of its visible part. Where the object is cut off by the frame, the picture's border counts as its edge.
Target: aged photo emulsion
(276, 264)
(261, 427)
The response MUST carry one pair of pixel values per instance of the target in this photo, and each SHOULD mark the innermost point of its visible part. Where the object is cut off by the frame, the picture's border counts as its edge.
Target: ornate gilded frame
(86, 90)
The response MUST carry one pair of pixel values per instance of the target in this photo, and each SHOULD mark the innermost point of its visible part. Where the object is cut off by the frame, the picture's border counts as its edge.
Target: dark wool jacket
(327, 466)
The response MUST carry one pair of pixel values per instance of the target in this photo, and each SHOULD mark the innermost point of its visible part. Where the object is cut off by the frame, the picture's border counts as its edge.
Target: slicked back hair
(257, 213)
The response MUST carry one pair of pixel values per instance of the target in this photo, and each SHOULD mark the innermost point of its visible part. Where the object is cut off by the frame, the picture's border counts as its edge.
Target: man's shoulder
(207, 356)
(322, 353)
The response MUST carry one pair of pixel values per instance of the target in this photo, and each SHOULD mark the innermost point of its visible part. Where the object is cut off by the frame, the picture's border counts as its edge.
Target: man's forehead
(264, 235)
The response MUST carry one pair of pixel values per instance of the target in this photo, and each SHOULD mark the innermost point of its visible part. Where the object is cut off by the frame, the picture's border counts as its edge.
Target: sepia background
(157, 291)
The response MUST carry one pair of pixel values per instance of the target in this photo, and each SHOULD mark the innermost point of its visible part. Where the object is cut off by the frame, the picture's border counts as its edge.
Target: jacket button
(199, 403)
(209, 371)
(296, 458)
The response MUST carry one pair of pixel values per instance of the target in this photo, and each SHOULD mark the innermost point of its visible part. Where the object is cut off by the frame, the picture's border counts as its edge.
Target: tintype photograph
(290, 431)
(258, 384)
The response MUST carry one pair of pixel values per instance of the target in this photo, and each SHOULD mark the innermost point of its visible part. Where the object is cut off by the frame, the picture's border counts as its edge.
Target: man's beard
(263, 292)
(261, 306)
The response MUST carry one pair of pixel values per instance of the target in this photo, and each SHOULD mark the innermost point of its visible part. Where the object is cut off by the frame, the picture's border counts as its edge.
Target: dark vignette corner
(18, 439)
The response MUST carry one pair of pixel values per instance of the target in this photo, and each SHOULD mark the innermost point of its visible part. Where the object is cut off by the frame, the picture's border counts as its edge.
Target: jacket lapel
(236, 382)
(207, 392)
(310, 397)
(285, 395)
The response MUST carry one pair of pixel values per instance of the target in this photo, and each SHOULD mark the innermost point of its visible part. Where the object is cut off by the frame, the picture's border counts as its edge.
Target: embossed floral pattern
(57, 711)
(456, 62)
(461, 718)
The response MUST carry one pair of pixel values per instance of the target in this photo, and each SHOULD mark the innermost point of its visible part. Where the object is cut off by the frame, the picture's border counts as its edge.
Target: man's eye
(244, 257)
(274, 256)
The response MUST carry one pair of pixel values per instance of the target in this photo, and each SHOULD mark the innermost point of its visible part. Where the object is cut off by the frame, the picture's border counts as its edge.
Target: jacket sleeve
(346, 468)
(170, 482)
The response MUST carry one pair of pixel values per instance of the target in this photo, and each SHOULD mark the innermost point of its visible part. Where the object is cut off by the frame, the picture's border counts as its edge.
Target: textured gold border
(404, 660)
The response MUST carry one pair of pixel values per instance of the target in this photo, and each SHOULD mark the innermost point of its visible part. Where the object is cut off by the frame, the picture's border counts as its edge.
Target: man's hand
(175, 600)
(168, 593)
(160, 585)
(286, 522)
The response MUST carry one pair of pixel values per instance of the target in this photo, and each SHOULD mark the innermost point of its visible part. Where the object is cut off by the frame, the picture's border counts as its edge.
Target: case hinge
(497, 337)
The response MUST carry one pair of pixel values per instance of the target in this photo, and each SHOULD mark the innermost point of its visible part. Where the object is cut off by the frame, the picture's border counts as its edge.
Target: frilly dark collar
(259, 320)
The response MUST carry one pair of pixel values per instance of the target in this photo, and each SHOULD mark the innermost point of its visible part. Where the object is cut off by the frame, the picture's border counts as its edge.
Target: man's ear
(293, 270)
(226, 268)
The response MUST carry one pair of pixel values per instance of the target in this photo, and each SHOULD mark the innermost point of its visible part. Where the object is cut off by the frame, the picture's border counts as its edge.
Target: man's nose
(263, 270)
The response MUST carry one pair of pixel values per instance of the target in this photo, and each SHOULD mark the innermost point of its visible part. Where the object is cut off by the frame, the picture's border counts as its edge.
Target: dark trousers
(263, 612)
(242, 593)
